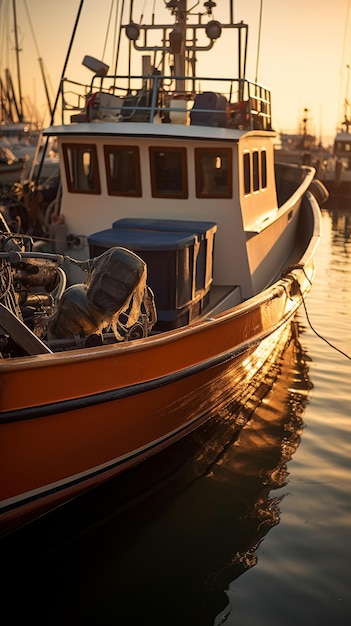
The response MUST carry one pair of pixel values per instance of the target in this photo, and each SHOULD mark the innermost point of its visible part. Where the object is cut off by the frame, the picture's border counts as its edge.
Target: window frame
(256, 182)
(96, 188)
(263, 169)
(184, 192)
(247, 172)
(254, 171)
(108, 149)
(219, 152)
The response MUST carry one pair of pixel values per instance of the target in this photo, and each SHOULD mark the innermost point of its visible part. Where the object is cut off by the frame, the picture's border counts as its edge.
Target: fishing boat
(180, 253)
(20, 125)
(336, 173)
(301, 147)
(12, 168)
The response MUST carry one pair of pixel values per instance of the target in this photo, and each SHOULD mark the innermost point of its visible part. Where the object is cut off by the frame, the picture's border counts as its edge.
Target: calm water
(255, 532)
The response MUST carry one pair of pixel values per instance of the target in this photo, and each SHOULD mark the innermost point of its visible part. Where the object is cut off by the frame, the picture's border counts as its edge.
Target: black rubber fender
(319, 191)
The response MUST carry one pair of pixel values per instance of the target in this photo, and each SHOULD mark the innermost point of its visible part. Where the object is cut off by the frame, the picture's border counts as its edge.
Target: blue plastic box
(179, 258)
(205, 232)
(170, 266)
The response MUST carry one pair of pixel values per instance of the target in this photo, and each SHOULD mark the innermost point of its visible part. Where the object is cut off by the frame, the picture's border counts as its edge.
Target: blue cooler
(204, 231)
(170, 259)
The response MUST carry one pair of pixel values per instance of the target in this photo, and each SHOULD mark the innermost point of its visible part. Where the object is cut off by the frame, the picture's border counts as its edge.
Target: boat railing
(226, 102)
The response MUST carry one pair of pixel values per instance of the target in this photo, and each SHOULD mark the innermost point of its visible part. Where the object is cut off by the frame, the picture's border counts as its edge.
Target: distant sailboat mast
(17, 49)
(347, 121)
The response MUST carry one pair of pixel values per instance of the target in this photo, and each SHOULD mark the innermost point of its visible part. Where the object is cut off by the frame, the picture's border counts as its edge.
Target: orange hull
(72, 420)
(168, 215)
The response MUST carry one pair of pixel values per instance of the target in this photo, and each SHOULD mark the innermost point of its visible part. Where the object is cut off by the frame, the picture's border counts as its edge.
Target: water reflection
(330, 301)
(168, 556)
(260, 461)
(341, 225)
(303, 572)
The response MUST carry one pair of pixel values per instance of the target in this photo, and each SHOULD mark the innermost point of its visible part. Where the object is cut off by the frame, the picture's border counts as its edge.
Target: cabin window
(168, 172)
(255, 171)
(213, 168)
(123, 170)
(263, 169)
(255, 164)
(81, 166)
(247, 173)
(342, 146)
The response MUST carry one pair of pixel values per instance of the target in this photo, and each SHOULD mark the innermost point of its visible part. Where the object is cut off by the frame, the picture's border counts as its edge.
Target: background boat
(336, 170)
(302, 147)
(21, 124)
(336, 174)
(12, 168)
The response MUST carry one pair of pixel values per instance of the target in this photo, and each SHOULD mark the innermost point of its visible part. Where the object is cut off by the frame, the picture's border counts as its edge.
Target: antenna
(259, 41)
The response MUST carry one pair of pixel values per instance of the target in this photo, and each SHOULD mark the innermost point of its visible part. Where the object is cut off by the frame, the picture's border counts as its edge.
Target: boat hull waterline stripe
(71, 482)
(115, 394)
(108, 467)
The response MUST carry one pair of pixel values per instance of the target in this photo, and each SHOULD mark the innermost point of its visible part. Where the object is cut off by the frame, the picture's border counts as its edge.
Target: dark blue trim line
(67, 405)
(83, 479)
(115, 394)
(112, 395)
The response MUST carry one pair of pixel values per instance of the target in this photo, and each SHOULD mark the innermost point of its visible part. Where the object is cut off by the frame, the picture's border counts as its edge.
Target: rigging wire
(117, 37)
(107, 30)
(118, 18)
(59, 89)
(40, 59)
(4, 36)
(344, 58)
(31, 29)
(141, 19)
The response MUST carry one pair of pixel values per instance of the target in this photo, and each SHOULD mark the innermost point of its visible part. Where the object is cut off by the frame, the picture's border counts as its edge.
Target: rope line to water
(320, 336)
(310, 324)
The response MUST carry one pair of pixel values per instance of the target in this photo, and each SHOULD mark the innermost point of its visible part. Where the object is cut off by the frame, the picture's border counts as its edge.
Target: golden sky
(305, 47)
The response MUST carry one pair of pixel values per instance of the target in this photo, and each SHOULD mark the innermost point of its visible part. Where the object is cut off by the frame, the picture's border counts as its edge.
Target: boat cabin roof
(174, 131)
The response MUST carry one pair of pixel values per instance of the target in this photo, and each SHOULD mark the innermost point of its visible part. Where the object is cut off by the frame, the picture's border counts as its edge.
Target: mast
(177, 41)
(20, 110)
(12, 100)
(5, 113)
(346, 121)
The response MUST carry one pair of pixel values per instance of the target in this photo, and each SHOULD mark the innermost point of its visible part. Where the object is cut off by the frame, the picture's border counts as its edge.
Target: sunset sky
(305, 47)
